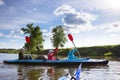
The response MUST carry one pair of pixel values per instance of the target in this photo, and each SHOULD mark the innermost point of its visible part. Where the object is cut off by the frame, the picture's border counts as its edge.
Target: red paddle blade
(70, 37)
(27, 39)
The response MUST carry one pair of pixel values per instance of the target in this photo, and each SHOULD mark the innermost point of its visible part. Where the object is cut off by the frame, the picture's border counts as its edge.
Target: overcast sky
(91, 22)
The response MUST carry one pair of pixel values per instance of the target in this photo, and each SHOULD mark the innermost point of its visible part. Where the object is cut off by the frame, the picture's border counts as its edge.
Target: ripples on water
(31, 72)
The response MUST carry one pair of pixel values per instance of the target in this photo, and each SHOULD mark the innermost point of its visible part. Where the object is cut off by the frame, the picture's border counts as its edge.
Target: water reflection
(109, 71)
(71, 71)
(29, 72)
(48, 74)
(36, 72)
(41, 73)
(21, 73)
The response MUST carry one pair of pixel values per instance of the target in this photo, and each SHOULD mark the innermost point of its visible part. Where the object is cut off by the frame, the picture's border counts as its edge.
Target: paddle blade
(70, 37)
(27, 39)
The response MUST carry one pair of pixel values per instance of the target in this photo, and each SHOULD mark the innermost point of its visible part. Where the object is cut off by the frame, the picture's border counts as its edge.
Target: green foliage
(58, 37)
(63, 52)
(108, 54)
(9, 51)
(36, 39)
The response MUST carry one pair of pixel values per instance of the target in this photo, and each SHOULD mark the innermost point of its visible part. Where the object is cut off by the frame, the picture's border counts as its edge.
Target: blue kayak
(85, 61)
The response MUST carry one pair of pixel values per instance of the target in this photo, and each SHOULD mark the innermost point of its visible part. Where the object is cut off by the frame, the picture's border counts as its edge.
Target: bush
(108, 54)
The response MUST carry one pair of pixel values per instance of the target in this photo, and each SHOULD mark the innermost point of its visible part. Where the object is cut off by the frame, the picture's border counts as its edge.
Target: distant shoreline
(110, 50)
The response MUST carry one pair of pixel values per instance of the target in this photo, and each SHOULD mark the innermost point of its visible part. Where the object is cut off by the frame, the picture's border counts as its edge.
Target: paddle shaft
(76, 49)
(71, 38)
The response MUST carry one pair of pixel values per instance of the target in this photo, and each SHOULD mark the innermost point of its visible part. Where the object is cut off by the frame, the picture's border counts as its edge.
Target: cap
(51, 51)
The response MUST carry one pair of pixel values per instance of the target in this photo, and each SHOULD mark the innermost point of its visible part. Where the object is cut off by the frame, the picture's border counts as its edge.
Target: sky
(91, 22)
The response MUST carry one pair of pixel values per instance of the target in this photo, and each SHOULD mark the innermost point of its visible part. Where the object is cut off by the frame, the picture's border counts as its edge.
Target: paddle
(56, 51)
(71, 39)
(27, 39)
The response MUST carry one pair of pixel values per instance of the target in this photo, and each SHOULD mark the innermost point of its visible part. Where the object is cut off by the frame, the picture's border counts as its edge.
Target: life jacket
(51, 56)
(71, 54)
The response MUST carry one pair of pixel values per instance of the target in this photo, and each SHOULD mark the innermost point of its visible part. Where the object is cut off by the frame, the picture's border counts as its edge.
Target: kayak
(84, 61)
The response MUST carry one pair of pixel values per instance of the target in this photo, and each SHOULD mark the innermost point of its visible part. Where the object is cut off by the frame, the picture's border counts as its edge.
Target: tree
(36, 39)
(58, 37)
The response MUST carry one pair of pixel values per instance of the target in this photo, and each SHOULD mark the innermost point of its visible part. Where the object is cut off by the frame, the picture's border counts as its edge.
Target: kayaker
(71, 55)
(51, 55)
(21, 54)
(40, 57)
(28, 57)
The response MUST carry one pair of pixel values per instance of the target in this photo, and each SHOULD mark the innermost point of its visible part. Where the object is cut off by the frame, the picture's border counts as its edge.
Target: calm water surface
(36, 72)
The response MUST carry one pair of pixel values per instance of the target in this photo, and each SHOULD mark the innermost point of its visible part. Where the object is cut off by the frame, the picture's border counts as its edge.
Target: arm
(73, 51)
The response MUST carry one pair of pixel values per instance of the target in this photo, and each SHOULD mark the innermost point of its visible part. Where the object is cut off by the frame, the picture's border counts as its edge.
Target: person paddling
(51, 55)
(21, 54)
(71, 55)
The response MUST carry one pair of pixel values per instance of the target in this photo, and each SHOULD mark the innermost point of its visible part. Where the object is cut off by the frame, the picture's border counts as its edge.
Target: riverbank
(110, 50)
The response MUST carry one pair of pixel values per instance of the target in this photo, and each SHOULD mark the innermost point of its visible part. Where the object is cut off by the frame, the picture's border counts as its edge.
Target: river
(36, 72)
